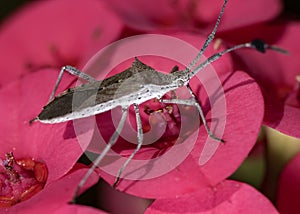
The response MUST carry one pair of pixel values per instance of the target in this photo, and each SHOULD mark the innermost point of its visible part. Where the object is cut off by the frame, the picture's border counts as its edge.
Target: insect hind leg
(195, 102)
(73, 71)
(111, 142)
(140, 142)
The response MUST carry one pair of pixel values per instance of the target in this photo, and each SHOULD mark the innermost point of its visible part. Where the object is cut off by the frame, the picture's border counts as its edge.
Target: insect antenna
(209, 38)
(256, 44)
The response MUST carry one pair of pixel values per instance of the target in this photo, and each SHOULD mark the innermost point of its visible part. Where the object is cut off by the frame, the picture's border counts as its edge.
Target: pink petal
(276, 73)
(226, 197)
(54, 33)
(240, 13)
(144, 15)
(56, 145)
(289, 187)
(244, 112)
(55, 197)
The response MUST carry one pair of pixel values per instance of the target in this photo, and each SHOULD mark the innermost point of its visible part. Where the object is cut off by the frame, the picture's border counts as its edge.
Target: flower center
(174, 117)
(20, 179)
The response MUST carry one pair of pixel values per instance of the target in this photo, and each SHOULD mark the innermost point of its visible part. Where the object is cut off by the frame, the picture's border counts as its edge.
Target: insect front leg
(198, 106)
(140, 142)
(73, 71)
(195, 102)
(113, 139)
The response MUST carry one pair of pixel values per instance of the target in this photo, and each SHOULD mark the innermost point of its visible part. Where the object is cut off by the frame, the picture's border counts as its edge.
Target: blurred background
(291, 8)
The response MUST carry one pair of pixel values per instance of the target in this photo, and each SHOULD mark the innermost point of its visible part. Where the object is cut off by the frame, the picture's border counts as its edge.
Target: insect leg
(74, 71)
(111, 142)
(140, 142)
(195, 102)
(198, 106)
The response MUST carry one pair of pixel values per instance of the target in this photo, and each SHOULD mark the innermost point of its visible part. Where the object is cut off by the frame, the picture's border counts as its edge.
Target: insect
(133, 86)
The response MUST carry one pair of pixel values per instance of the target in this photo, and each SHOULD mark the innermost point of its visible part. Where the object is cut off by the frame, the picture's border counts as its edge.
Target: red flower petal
(289, 187)
(54, 33)
(244, 112)
(55, 197)
(227, 197)
(276, 73)
(240, 13)
(145, 15)
(55, 145)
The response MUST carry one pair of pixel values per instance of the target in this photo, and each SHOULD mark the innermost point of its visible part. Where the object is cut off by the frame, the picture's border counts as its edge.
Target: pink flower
(21, 101)
(51, 150)
(275, 73)
(244, 108)
(48, 145)
(53, 34)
